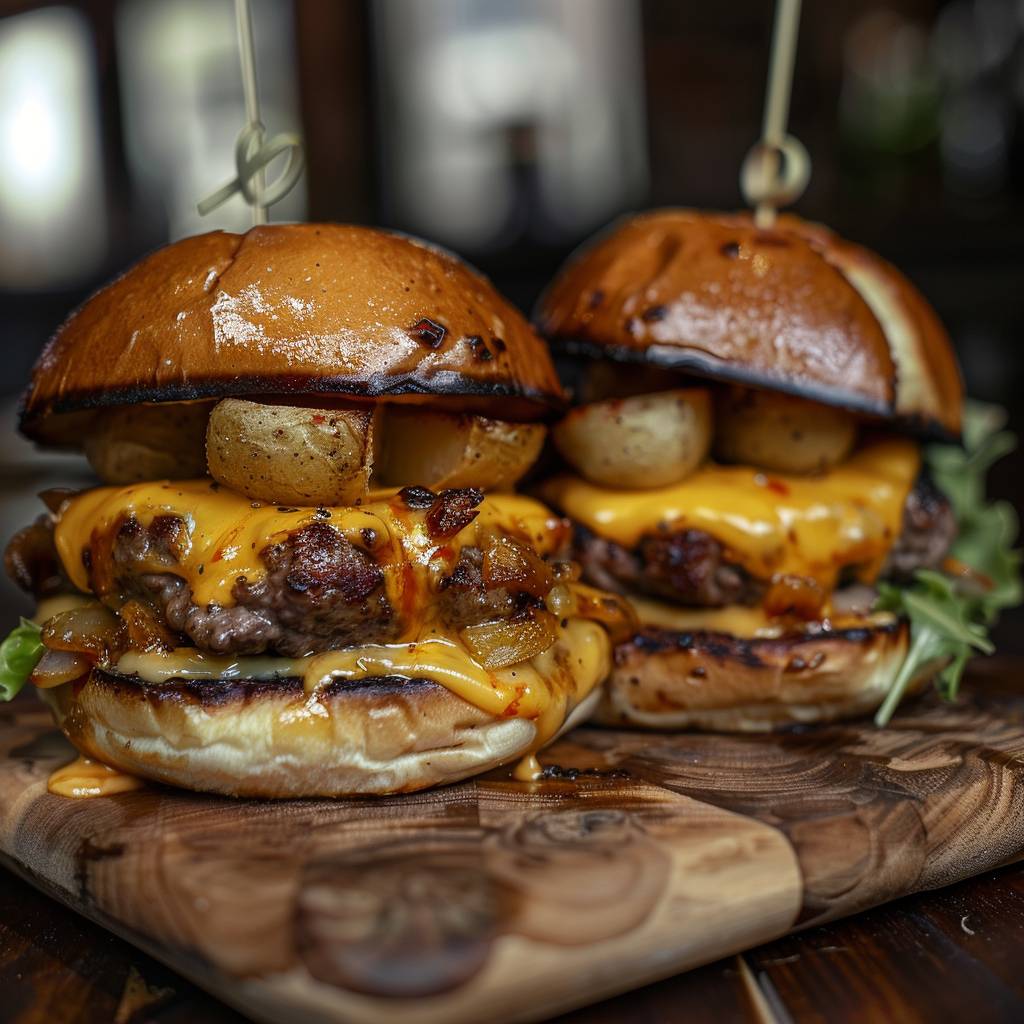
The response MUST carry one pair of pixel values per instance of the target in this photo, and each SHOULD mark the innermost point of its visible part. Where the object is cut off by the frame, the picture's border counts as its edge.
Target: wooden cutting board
(646, 854)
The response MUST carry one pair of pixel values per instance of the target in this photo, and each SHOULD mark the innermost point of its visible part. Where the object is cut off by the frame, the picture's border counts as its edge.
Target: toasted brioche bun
(287, 310)
(702, 680)
(793, 308)
(378, 736)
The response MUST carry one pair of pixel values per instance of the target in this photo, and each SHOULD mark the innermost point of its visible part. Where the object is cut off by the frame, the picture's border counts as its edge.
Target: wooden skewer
(777, 168)
(252, 151)
(247, 54)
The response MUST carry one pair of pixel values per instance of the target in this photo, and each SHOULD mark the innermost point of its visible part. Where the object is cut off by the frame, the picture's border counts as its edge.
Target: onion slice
(508, 563)
(511, 641)
(55, 668)
(89, 630)
(612, 611)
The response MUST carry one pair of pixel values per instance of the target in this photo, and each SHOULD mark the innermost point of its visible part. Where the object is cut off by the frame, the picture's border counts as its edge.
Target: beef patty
(320, 592)
(690, 567)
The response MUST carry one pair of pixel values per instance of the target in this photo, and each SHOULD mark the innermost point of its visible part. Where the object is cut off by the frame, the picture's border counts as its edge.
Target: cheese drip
(84, 778)
(768, 523)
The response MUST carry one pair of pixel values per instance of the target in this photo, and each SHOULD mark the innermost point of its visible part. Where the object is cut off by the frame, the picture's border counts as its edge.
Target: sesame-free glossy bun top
(793, 308)
(288, 310)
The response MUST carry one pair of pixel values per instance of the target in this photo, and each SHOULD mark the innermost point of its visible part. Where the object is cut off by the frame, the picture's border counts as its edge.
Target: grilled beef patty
(690, 567)
(319, 593)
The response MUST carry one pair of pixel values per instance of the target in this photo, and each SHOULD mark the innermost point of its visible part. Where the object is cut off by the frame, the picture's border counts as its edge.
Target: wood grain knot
(539, 862)
(405, 922)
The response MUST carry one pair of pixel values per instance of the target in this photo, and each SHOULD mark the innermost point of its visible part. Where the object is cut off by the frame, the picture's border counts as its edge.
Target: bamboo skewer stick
(777, 169)
(252, 151)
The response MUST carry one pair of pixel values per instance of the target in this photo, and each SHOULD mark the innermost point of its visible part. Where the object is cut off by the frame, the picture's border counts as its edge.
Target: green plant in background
(950, 614)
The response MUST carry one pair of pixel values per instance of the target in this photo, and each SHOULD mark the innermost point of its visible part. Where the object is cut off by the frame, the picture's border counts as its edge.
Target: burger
(755, 460)
(305, 573)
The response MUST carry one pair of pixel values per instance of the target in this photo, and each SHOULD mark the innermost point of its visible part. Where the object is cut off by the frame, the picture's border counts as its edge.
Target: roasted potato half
(439, 449)
(639, 442)
(291, 455)
(781, 432)
(158, 441)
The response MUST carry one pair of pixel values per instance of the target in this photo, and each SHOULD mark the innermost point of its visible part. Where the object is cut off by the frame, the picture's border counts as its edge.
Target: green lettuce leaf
(19, 654)
(950, 615)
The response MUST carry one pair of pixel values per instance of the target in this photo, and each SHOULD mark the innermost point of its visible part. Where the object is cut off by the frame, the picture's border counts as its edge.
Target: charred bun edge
(519, 403)
(664, 679)
(669, 358)
(707, 368)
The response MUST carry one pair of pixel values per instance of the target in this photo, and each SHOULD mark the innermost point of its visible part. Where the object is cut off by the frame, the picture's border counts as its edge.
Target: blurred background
(509, 130)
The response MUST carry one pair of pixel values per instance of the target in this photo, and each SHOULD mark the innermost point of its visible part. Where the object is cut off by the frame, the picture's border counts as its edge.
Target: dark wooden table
(953, 955)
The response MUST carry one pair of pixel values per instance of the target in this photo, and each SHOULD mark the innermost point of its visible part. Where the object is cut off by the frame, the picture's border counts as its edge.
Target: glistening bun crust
(293, 309)
(262, 739)
(713, 681)
(793, 308)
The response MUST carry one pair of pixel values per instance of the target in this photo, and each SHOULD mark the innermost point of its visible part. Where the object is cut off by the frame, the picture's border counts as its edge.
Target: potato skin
(779, 432)
(291, 455)
(435, 449)
(638, 442)
(154, 441)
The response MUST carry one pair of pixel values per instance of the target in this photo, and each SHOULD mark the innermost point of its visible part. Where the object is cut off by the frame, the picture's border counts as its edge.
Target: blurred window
(183, 105)
(52, 216)
(504, 121)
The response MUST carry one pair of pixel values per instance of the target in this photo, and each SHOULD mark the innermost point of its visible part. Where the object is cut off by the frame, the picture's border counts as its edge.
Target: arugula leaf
(19, 654)
(950, 614)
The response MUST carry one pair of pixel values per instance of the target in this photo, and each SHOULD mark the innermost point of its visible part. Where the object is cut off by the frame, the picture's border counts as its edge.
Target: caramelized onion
(144, 629)
(453, 510)
(31, 560)
(614, 612)
(798, 596)
(507, 563)
(89, 630)
(566, 572)
(55, 668)
(510, 641)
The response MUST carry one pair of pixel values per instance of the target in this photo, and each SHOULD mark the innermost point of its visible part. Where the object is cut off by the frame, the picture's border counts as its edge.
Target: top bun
(793, 308)
(292, 309)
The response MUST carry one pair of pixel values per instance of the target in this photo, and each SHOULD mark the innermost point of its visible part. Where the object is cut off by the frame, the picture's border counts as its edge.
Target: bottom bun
(271, 739)
(703, 680)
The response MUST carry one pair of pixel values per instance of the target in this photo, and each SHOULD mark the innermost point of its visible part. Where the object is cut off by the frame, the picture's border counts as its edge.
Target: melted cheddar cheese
(748, 623)
(767, 522)
(225, 532)
(543, 689)
(223, 537)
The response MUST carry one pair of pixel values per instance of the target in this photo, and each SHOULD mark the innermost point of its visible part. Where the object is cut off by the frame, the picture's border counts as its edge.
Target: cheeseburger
(304, 574)
(748, 467)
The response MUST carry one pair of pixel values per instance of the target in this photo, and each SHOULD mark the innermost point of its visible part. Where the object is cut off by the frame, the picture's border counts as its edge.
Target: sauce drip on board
(85, 778)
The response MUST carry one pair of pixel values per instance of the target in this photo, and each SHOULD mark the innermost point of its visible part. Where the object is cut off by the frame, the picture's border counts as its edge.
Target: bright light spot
(51, 198)
(31, 139)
